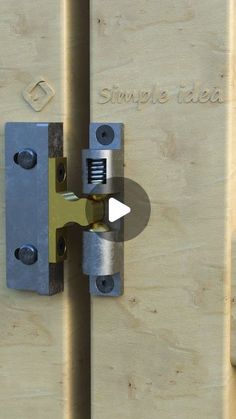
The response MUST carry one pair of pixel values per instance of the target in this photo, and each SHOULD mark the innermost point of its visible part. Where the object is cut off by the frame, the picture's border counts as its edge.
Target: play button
(127, 210)
(117, 210)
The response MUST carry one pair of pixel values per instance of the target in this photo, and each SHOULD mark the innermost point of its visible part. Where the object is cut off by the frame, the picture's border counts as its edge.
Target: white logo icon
(117, 210)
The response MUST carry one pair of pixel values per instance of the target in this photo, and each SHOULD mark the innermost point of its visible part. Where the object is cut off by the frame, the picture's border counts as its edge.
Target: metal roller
(101, 253)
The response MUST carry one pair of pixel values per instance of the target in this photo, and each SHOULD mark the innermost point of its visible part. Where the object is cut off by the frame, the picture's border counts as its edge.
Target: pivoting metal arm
(39, 207)
(66, 208)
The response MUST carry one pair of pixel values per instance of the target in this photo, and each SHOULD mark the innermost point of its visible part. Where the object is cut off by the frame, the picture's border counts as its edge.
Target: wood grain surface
(165, 69)
(44, 342)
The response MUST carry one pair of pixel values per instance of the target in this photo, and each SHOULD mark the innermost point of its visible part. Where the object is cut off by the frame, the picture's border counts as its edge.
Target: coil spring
(96, 171)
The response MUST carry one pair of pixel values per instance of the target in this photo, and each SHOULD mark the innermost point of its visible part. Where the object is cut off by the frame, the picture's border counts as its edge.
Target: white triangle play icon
(117, 210)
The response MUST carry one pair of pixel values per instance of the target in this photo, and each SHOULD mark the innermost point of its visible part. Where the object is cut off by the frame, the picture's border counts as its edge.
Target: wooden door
(165, 69)
(45, 341)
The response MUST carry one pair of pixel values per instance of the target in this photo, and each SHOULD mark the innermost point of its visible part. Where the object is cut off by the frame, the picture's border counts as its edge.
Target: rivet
(26, 158)
(27, 254)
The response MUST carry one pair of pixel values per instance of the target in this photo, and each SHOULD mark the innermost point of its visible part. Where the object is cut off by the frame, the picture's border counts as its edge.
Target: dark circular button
(105, 284)
(27, 254)
(105, 134)
(26, 158)
(135, 197)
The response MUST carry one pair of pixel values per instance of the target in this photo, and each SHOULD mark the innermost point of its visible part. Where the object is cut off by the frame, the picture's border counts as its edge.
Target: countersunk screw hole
(61, 173)
(105, 134)
(105, 284)
(61, 246)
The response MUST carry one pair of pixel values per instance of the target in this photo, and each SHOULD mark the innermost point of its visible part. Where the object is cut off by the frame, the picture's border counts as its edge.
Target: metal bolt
(105, 284)
(27, 254)
(105, 134)
(26, 158)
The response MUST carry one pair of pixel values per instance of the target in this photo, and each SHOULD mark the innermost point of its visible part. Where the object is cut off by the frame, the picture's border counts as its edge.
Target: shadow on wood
(76, 137)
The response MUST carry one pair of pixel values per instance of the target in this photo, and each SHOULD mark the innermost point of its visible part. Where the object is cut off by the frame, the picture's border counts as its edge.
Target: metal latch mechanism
(39, 207)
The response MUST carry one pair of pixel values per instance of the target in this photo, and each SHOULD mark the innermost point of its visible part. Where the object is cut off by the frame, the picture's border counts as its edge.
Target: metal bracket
(39, 207)
(103, 174)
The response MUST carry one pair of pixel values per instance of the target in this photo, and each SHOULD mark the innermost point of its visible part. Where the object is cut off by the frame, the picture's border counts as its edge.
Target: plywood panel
(44, 342)
(163, 68)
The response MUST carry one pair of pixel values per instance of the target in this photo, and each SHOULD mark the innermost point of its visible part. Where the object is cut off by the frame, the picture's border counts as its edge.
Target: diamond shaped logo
(38, 93)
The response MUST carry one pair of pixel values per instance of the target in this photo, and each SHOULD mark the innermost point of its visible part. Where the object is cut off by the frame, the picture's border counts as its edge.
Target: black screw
(26, 158)
(105, 284)
(105, 134)
(27, 254)
(61, 173)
